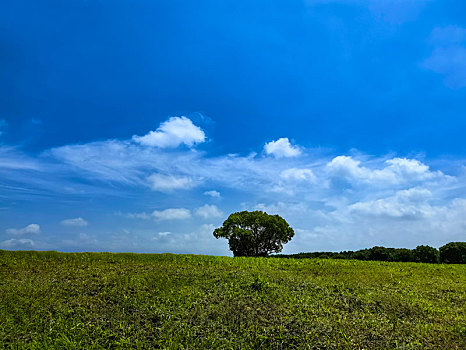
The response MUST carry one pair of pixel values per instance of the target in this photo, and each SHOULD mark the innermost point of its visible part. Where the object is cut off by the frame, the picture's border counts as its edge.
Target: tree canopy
(255, 233)
(453, 253)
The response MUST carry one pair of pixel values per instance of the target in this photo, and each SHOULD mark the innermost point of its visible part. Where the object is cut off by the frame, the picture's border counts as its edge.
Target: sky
(141, 125)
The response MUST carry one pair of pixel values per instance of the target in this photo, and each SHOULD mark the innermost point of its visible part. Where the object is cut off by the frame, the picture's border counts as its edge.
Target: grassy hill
(51, 300)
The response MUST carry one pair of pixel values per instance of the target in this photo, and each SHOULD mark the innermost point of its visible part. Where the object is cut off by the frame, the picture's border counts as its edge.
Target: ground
(51, 300)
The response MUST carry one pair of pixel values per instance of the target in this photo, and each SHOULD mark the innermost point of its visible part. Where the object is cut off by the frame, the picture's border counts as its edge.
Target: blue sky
(140, 125)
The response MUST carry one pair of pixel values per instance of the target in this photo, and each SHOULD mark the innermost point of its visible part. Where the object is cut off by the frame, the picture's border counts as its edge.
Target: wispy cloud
(76, 222)
(449, 55)
(447, 36)
(13, 159)
(168, 183)
(29, 229)
(296, 174)
(14, 243)
(346, 201)
(172, 214)
(3, 125)
(209, 211)
(164, 234)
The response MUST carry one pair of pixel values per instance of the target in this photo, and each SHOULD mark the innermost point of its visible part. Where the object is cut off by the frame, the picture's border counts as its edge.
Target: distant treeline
(451, 253)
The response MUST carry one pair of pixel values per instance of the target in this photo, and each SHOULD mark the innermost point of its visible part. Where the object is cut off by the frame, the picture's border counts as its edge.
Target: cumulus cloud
(352, 201)
(411, 203)
(17, 244)
(209, 211)
(449, 55)
(172, 214)
(76, 222)
(298, 174)
(213, 194)
(29, 229)
(172, 133)
(168, 183)
(281, 148)
(395, 171)
(405, 219)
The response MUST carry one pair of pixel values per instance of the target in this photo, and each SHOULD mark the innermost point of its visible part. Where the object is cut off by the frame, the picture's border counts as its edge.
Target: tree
(453, 253)
(426, 254)
(380, 254)
(403, 254)
(255, 233)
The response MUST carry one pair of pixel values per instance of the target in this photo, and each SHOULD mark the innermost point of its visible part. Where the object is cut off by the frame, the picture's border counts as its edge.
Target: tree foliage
(426, 254)
(255, 233)
(453, 253)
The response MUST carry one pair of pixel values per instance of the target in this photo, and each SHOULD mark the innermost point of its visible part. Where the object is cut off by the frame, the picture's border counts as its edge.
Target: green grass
(51, 300)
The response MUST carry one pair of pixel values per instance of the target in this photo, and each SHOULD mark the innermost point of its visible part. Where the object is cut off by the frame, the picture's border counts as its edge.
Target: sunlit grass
(52, 300)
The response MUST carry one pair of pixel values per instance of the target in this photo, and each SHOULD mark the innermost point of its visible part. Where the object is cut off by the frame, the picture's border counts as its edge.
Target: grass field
(51, 300)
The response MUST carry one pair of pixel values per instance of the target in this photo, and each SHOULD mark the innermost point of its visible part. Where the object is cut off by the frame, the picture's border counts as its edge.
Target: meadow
(51, 300)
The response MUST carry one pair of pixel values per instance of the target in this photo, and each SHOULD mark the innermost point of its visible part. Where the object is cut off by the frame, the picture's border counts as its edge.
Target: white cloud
(111, 160)
(161, 235)
(142, 215)
(200, 237)
(164, 234)
(82, 241)
(29, 229)
(349, 202)
(77, 222)
(172, 214)
(395, 171)
(168, 183)
(17, 243)
(12, 159)
(298, 174)
(209, 211)
(411, 203)
(172, 133)
(281, 148)
(213, 194)
(409, 170)
(347, 167)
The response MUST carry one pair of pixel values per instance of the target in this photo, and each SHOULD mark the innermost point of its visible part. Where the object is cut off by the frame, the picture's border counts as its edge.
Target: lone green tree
(255, 233)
